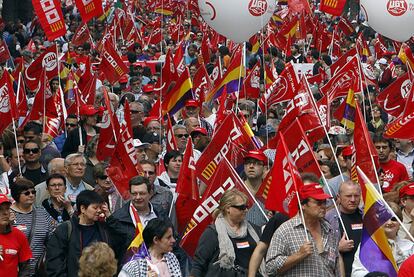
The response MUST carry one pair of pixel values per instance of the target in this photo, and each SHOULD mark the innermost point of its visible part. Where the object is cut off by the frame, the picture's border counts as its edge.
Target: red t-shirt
(407, 268)
(394, 172)
(16, 250)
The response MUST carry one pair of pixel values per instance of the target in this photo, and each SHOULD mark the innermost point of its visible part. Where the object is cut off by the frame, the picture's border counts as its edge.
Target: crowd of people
(63, 211)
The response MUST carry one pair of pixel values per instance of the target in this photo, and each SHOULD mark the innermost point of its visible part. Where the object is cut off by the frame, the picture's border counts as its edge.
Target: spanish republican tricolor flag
(334, 7)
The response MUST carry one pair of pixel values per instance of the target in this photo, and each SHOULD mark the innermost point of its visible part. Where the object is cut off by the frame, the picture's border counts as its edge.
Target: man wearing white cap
(385, 77)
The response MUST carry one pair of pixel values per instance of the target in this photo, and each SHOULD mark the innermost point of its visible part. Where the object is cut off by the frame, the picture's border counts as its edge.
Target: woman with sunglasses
(226, 246)
(35, 223)
(401, 248)
(105, 187)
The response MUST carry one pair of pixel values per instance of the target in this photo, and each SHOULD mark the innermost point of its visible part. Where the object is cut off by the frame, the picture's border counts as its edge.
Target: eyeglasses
(182, 135)
(27, 193)
(102, 177)
(242, 207)
(135, 112)
(78, 164)
(31, 150)
(149, 172)
(71, 125)
(56, 185)
(394, 219)
(253, 162)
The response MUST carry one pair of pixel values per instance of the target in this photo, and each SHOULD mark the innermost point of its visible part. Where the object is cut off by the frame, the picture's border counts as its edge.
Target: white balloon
(391, 18)
(238, 20)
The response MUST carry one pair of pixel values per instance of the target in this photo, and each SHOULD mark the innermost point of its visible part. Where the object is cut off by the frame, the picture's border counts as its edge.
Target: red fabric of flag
(50, 17)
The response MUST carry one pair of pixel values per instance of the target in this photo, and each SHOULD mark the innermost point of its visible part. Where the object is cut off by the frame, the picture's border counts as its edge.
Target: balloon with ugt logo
(237, 20)
(391, 18)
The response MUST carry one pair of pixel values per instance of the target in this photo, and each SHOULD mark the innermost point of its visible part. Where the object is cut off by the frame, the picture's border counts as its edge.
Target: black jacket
(62, 256)
(72, 142)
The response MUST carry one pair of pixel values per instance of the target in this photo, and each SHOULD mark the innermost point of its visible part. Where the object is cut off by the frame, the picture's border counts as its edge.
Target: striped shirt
(43, 229)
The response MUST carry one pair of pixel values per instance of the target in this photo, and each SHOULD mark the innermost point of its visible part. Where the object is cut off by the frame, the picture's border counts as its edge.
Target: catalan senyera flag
(334, 7)
(375, 252)
(232, 78)
(50, 17)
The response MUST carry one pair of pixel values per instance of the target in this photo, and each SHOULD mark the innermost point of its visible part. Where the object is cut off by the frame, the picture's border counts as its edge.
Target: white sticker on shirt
(244, 244)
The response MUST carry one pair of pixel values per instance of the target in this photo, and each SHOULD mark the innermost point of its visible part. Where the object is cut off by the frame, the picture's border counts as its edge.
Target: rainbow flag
(375, 252)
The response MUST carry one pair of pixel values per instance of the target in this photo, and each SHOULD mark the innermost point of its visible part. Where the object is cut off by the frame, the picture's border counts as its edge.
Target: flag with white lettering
(4, 52)
(225, 178)
(286, 182)
(112, 65)
(50, 17)
(48, 61)
(89, 9)
(8, 109)
(393, 98)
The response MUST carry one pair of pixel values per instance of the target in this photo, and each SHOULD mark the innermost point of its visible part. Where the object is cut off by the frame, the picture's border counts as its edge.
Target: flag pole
(336, 208)
(326, 132)
(302, 216)
(248, 190)
(17, 145)
(377, 195)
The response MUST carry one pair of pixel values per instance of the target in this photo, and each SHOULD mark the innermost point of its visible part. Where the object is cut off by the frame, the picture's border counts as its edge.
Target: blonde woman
(97, 259)
(226, 246)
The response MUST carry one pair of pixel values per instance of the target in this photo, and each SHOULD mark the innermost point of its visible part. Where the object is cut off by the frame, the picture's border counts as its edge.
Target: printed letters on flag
(8, 109)
(50, 17)
(47, 60)
(333, 7)
(230, 140)
(393, 98)
(171, 143)
(89, 9)
(224, 179)
(112, 65)
(285, 184)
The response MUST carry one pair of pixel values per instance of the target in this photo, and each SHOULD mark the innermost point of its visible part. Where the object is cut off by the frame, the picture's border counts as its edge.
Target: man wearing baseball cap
(15, 251)
(291, 253)
(192, 109)
(255, 165)
(407, 203)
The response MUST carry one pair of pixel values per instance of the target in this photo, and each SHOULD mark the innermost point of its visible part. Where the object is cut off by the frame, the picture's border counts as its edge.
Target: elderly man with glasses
(75, 165)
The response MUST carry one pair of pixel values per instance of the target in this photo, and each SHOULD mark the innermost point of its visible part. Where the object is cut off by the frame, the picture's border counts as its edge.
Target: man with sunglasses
(70, 124)
(308, 248)
(181, 136)
(32, 169)
(8, 164)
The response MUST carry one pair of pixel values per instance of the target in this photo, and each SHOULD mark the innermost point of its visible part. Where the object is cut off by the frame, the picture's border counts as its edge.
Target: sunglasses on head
(31, 150)
(27, 193)
(242, 207)
(182, 135)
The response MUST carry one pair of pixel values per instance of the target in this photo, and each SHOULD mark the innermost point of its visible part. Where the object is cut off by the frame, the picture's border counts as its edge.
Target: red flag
(205, 49)
(169, 74)
(121, 169)
(187, 189)
(47, 60)
(201, 83)
(283, 89)
(230, 140)
(50, 17)
(4, 52)
(81, 35)
(21, 97)
(89, 9)
(403, 126)
(31, 46)
(393, 98)
(126, 138)
(345, 26)
(299, 6)
(334, 7)
(171, 143)
(343, 80)
(179, 61)
(224, 179)
(112, 65)
(380, 48)
(364, 153)
(251, 84)
(8, 108)
(286, 182)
